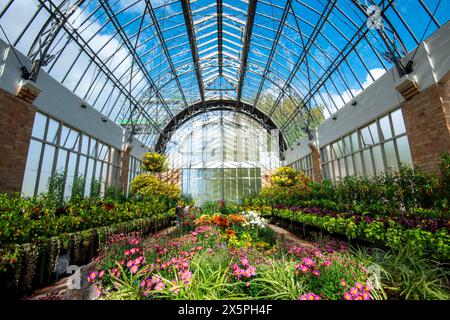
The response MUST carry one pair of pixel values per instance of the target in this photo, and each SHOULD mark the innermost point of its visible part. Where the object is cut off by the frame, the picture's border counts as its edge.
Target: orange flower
(230, 233)
(220, 221)
(236, 218)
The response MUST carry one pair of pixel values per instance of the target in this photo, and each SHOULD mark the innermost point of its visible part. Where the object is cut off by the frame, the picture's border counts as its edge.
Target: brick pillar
(427, 120)
(317, 168)
(124, 166)
(16, 123)
(172, 176)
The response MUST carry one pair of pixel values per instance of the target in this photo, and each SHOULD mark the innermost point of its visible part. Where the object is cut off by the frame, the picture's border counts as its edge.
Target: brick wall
(124, 168)
(317, 168)
(172, 176)
(16, 123)
(427, 121)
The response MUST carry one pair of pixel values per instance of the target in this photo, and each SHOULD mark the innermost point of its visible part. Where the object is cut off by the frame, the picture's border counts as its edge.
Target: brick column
(427, 120)
(172, 176)
(317, 168)
(124, 166)
(16, 123)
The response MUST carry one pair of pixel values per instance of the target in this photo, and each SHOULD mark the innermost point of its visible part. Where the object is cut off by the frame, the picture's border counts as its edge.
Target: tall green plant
(55, 194)
(78, 187)
(95, 189)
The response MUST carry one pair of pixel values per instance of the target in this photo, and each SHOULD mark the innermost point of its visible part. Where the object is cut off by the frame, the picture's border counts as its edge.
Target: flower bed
(229, 257)
(427, 236)
(33, 235)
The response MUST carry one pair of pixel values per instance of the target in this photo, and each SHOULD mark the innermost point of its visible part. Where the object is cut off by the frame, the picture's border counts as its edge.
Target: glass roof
(143, 62)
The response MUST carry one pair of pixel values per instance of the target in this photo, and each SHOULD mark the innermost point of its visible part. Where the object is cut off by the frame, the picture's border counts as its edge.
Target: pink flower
(159, 286)
(247, 284)
(366, 295)
(327, 263)
(358, 285)
(122, 262)
(343, 283)
(316, 273)
(245, 262)
(310, 296)
(130, 263)
(134, 269)
(308, 262)
(348, 296)
(304, 268)
(127, 252)
(101, 274)
(92, 275)
(354, 291)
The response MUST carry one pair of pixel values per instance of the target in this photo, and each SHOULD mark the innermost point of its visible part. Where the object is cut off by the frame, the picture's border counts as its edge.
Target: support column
(427, 120)
(124, 167)
(16, 124)
(317, 168)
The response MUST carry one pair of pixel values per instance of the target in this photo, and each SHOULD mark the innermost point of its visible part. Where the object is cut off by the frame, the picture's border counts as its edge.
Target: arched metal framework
(148, 61)
(200, 108)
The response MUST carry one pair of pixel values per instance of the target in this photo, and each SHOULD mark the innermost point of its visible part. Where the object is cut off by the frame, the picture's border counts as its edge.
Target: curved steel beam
(202, 107)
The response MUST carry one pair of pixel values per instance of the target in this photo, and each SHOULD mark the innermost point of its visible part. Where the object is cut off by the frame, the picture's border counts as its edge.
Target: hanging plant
(154, 162)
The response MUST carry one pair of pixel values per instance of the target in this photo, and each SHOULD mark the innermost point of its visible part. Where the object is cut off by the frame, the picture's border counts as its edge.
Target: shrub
(154, 162)
(147, 185)
(288, 177)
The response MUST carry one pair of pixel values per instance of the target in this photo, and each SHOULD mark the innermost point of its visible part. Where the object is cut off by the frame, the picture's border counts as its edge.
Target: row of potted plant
(25, 220)
(406, 191)
(386, 231)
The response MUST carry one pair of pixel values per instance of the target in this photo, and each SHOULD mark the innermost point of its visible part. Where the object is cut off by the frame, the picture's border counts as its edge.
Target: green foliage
(55, 194)
(147, 185)
(394, 193)
(113, 192)
(425, 243)
(406, 275)
(288, 177)
(78, 187)
(95, 189)
(28, 219)
(278, 281)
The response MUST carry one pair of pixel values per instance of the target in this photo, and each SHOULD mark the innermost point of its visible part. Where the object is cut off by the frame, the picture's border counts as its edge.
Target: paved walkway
(289, 236)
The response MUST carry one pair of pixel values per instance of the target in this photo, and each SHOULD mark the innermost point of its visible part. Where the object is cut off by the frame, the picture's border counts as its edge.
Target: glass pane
(378, 158)
(29, 179)
(84, 144)
(385, 128)
(61, 162)
(52, 131)
(358, 165)
(368, 162)
(39, 125)
(82, 166)
(391, 159)
(403, 150)
(46, 169)
(397, 122)
(355, 144)
(374, 133)
(92, 148)
(342, 167)
(350, 167)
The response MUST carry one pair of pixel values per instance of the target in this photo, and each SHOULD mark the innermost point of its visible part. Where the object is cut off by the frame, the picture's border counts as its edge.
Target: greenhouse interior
(224, 150)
